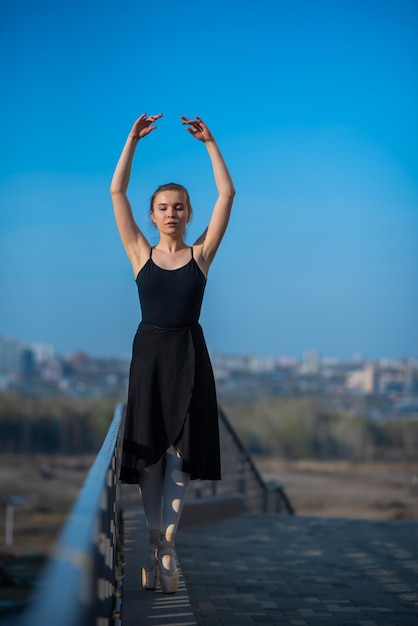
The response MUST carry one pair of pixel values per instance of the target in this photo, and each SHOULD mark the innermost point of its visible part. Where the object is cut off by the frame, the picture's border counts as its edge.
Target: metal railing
(241, 477)
(80, 585)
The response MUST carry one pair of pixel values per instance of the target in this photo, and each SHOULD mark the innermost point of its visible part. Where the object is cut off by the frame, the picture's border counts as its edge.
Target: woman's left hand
(197, 128)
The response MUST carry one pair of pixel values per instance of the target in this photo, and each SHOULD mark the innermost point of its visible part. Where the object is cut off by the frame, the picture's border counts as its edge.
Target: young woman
(171, 429)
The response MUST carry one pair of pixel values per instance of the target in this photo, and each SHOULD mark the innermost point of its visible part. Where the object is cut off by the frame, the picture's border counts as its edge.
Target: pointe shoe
(169, 575)
(150, 570)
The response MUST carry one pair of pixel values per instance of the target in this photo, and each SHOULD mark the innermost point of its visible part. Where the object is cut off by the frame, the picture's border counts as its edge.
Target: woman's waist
(153, 329)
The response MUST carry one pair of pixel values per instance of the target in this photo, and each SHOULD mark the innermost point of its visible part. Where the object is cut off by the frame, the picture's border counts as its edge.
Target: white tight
(163, 488)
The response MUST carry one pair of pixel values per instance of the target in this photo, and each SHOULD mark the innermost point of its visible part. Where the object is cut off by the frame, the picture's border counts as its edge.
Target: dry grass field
(347, 489)
(50, 485)
(336, 489)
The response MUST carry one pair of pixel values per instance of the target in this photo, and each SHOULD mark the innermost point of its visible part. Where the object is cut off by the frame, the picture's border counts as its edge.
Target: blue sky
(313, 104)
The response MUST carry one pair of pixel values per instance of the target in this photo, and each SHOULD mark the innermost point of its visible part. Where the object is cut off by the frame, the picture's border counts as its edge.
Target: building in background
(10, 351)
(311, 362)
(370, 379)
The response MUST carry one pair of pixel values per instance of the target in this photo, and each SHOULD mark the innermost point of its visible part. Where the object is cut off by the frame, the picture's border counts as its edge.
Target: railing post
(241, 480)
(266, 499)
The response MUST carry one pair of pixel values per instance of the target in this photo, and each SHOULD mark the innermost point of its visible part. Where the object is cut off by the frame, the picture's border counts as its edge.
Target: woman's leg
(151, 484)
(175, 486)
(163, 487)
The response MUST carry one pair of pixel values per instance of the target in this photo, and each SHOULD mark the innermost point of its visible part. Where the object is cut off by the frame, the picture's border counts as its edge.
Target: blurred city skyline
(382, 389)
(314, 107)
(12, 348)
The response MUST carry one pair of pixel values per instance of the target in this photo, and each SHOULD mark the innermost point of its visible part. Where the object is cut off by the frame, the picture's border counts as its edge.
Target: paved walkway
(302, 571)
(281, 570)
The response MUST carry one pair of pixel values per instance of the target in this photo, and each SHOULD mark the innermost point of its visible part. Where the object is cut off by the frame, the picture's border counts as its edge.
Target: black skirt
(171, 401)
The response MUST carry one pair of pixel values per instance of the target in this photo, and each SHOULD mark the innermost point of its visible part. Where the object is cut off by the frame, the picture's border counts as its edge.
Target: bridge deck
(281, 570)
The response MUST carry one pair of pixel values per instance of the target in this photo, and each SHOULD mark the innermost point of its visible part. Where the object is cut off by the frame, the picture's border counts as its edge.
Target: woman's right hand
(144, 125)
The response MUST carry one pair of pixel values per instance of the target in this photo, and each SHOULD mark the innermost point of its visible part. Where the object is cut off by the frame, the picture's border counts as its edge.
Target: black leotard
(171, 298)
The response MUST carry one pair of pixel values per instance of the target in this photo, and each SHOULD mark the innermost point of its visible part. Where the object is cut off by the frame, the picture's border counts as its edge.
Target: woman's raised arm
(212, 236)
(135, 244)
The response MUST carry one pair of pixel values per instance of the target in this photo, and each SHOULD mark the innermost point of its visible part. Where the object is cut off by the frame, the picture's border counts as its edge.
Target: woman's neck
(170, 245)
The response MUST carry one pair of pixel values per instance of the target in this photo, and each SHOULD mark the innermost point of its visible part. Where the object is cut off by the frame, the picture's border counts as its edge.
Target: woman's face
(170, 213)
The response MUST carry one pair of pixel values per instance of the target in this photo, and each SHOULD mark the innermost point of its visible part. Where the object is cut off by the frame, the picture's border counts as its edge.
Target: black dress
(172, 396)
